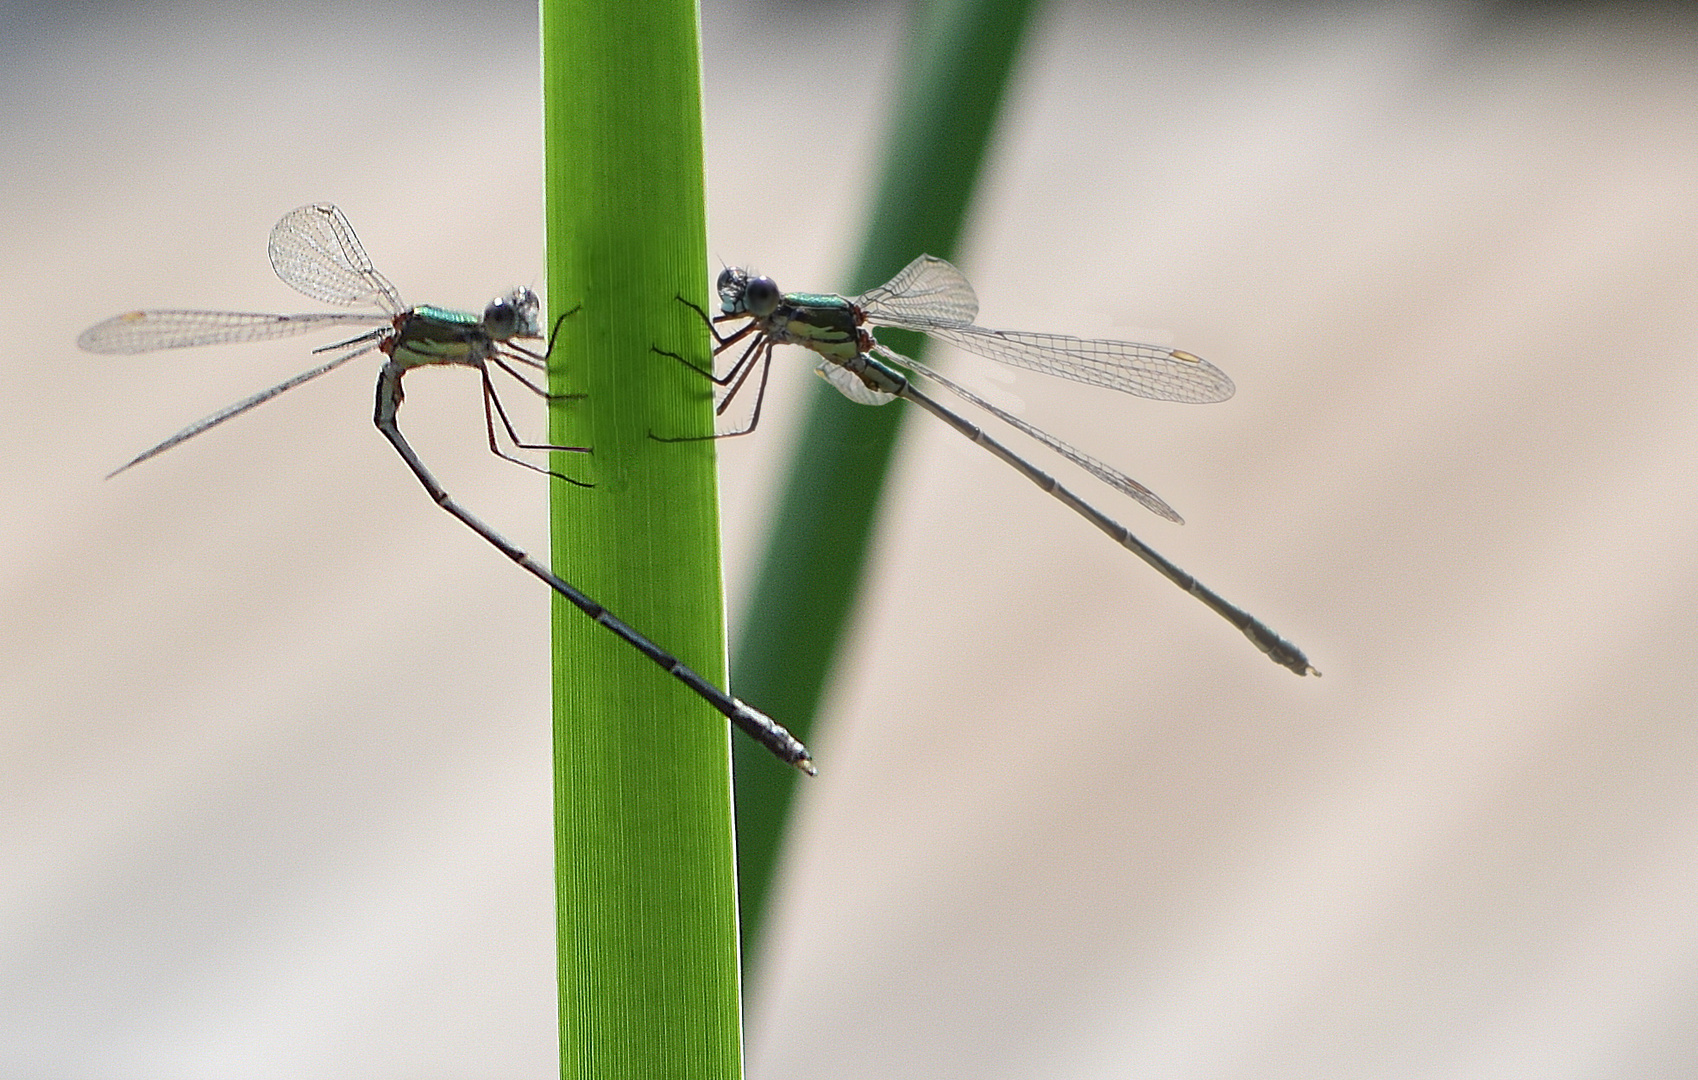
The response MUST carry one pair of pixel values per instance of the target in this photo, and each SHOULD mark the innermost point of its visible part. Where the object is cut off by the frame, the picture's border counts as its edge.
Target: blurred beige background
(274, 769)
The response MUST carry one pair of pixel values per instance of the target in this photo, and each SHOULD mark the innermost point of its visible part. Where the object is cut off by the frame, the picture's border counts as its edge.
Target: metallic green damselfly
(314, 250)
(932, 297)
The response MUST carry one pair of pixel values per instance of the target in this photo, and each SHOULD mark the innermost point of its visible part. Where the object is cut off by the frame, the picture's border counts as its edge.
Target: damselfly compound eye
(499, 318)
(761, 297)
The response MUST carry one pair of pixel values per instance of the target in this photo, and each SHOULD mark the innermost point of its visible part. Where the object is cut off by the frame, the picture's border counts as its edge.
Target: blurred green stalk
(960, 55)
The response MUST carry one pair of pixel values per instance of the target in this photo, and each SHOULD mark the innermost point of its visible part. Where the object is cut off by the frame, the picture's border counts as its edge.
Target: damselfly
(314, 250)
(932, 297)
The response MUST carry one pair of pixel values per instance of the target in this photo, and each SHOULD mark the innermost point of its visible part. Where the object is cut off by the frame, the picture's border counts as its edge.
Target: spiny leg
(724, 343)
(743, 377)
(744, 368)
(500, 359)
(540, 360)
(758, 351)
(712, 324)
(491, 398)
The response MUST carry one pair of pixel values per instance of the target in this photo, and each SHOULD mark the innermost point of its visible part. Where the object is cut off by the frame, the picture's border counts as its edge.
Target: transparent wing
(1103, 471)
(241, 407)
(931, 296)
(315, 252)
(850, 385)
(145, 331)
(927, 293)
(1149, 371)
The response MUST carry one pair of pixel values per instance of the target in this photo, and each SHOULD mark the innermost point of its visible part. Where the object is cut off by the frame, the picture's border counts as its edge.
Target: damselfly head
(740, 294)
(761, 296)
(513, 315)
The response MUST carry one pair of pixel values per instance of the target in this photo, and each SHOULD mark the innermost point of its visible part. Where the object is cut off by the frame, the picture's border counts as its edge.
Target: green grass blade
(647, 895)
(960, 55)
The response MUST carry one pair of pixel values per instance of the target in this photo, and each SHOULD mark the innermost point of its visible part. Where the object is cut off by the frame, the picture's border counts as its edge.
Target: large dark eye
(761, 297)
(499, 319)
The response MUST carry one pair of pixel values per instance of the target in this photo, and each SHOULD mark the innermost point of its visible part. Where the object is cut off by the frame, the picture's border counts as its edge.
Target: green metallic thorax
(433, 335)
(829, 325)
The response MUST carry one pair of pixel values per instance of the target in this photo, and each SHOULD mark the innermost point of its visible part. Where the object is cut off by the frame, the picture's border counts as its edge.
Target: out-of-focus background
(274, 780)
